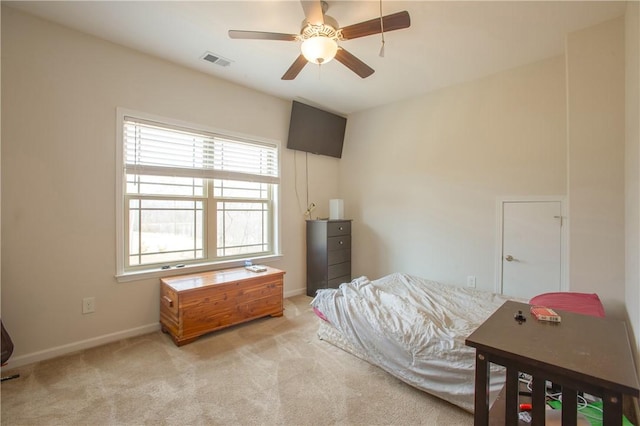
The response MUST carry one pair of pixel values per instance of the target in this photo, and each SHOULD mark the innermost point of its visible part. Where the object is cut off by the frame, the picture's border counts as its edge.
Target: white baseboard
(295, 292)
(22, 360)
(57, 351)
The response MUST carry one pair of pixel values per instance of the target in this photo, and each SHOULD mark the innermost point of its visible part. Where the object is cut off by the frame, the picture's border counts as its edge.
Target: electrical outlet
(471, 281)
(88, 305)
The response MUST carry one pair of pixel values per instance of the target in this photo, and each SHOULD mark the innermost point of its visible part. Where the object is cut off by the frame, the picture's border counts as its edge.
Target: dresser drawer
(339, 270)
(339, 243)
(338, 228)
(339, 256)
(335, 283)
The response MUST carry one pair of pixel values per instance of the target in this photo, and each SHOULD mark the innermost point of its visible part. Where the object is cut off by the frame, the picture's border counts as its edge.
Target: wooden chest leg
(184, 341)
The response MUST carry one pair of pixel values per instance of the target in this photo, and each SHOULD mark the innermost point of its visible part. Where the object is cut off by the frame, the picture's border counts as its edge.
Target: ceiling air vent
(216, 59)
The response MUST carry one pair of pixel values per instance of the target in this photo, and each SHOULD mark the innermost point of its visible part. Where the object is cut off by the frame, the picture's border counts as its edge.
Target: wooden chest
(196, 304)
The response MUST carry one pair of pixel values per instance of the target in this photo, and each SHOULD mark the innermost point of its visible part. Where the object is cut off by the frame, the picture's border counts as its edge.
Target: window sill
(190, 269)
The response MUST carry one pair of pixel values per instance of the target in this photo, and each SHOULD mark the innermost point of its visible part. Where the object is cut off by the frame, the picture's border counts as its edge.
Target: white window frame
(124, 275)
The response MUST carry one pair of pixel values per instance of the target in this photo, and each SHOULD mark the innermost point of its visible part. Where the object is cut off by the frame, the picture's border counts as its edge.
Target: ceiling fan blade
(260, 35)
(295, 68)
(313, 11)
(395, 21)
(353, 63)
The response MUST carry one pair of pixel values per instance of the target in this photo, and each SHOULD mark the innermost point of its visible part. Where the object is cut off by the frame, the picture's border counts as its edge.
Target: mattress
(412, 328)
(329, 334)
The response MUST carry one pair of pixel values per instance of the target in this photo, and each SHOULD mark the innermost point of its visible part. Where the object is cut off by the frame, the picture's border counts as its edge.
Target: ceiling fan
(320, 34)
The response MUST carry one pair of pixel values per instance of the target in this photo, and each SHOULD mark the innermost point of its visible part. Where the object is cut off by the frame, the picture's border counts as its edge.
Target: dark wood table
(581, 353)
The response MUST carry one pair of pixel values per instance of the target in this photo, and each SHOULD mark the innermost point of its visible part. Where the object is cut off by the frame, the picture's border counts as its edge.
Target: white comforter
(415, 329)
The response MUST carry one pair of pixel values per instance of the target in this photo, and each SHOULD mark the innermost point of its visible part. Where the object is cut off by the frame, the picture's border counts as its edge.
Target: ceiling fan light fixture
(319, 49)
(320, 35)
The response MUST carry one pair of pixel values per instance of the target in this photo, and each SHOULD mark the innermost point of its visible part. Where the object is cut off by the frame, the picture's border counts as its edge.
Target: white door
(531, 248)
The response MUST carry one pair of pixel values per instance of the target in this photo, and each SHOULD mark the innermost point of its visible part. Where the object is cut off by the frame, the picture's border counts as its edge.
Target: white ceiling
(448, 42)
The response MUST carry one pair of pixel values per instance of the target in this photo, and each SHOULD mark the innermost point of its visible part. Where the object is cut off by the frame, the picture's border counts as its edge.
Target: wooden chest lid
(212, 278)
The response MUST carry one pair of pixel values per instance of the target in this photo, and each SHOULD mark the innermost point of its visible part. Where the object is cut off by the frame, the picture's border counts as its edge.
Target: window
(192, 196)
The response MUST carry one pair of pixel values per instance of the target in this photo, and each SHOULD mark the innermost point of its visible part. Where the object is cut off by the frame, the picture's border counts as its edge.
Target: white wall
(422, 176)
(596, 143)
(60, 90)
(632, 168)
(0, 178)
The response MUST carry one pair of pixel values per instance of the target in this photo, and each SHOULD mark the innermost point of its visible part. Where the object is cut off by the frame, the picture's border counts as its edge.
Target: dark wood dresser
(328, 254)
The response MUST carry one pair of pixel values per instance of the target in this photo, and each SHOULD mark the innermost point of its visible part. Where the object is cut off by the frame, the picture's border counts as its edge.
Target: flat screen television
(316, 131)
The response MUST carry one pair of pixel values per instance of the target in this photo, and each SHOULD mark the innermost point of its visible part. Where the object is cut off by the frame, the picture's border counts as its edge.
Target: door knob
(508, 258)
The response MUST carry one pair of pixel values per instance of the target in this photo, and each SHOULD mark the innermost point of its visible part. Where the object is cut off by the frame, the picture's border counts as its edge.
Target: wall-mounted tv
(316, 131)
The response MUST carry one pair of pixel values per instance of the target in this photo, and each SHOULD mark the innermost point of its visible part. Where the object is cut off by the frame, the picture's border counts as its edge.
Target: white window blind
(159, 150)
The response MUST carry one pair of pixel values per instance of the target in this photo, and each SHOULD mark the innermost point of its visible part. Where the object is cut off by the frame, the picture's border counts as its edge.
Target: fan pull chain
(381, 32)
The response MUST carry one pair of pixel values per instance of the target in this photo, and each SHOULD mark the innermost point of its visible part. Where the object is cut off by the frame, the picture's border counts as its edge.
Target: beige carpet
(272, 371)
